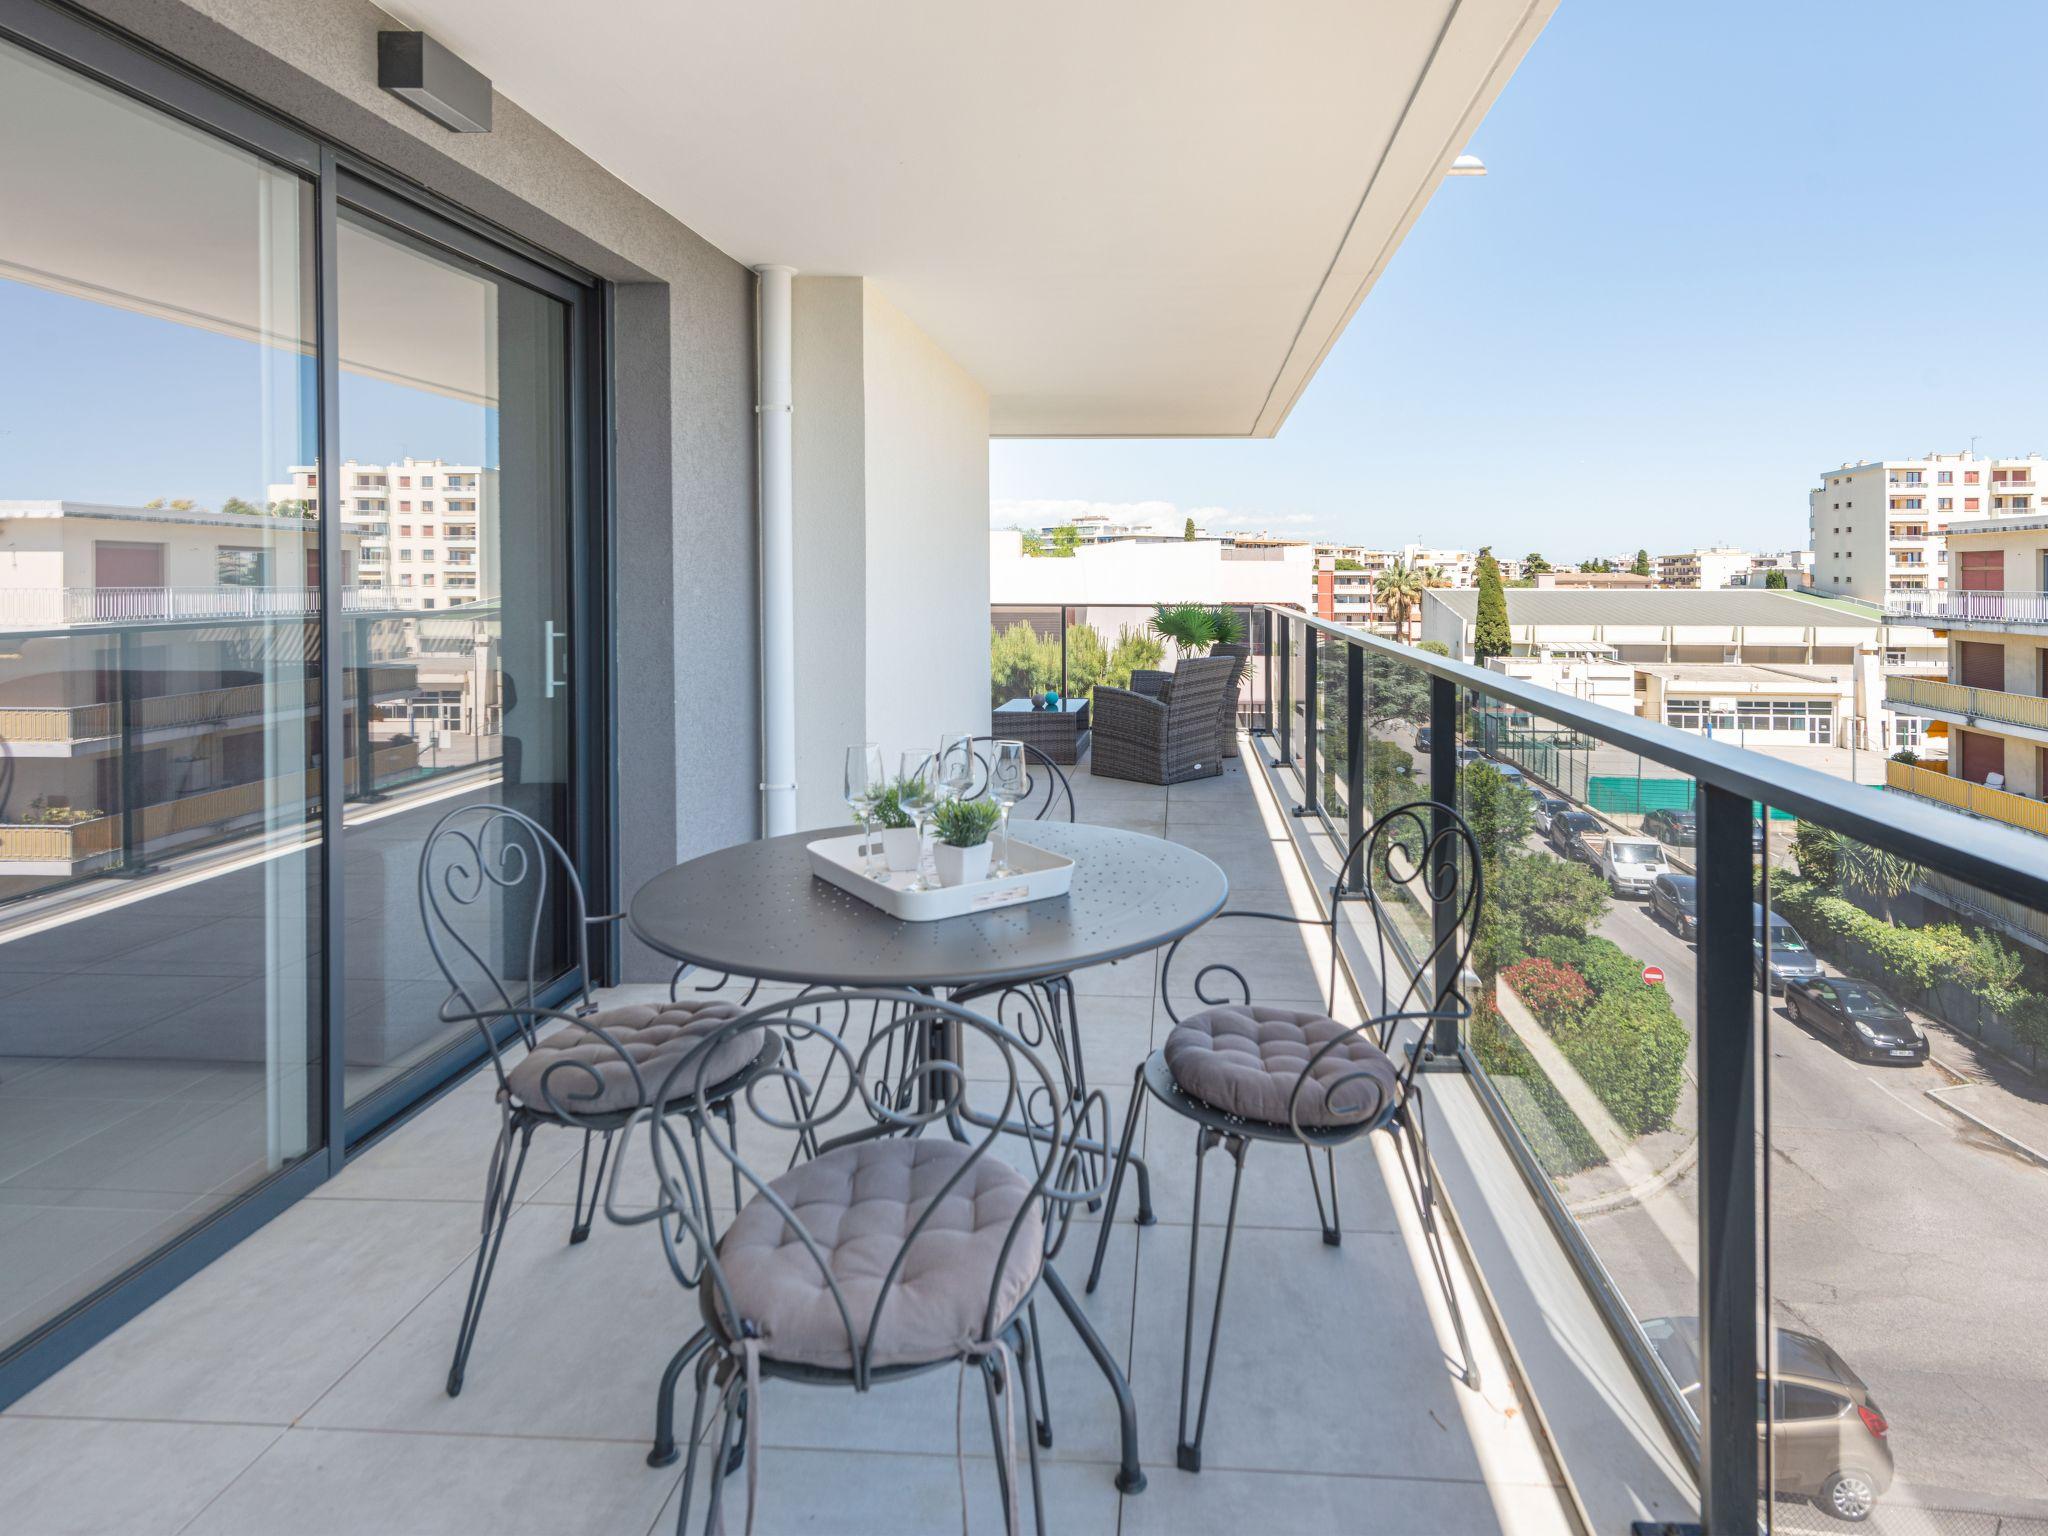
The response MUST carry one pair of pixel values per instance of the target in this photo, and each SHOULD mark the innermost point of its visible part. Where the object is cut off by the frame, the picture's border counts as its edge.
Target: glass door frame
(101, 53)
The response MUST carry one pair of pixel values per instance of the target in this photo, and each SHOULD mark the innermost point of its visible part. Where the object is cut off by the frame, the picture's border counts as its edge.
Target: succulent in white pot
(962, 850)
(899, 833)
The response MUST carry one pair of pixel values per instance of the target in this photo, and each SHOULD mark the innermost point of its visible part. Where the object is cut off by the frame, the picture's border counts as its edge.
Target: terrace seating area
(299, 1381)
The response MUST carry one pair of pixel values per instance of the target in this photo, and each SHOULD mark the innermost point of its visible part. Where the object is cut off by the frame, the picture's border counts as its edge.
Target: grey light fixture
(413, 66)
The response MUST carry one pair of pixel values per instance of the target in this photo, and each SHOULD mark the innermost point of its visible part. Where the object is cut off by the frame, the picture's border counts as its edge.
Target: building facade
(1708, 570)
(418, 522)
(1879, 527)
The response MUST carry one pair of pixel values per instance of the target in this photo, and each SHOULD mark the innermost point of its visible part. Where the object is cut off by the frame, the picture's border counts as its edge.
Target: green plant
(1133, 652)
(965, 823)
(1642, 563)
(1190, 626)
(1906, 755)
(1226, 626)
(1491, 636)
(1555, 993)
(886, 805)
(1775, 581)
(1535, 565)
(1187, 531)
(1398, 590)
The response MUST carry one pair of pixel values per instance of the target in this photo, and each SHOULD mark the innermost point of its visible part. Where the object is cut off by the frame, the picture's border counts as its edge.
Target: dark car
(1828, 1436)
(1790, 958)
(1678, 829)
(1423, 739)
(1565, 828)
(1675, 899)
(1547, 810)
(1869, 1024)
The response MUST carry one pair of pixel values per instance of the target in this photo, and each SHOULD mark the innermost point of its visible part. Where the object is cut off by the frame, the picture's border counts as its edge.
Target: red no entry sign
(1653, 975)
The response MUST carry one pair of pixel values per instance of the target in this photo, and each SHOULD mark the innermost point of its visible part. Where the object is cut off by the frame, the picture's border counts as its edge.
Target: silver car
(1789, 960)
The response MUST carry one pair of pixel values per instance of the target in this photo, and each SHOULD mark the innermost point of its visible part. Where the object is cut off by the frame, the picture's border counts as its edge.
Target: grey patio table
(755, 909)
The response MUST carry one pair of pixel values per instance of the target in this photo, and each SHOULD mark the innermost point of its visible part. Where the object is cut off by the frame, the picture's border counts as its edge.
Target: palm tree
(1398, 590)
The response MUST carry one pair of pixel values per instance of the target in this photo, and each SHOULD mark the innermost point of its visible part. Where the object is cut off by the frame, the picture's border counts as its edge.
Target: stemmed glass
(916, 789)
(956, 764)
(863, 784)
(1006, 786)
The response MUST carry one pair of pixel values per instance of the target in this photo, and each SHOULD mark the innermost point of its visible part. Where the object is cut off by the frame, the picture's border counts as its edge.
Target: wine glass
(956, 764)
(863, 784)
(1007, 781)
(916, 790)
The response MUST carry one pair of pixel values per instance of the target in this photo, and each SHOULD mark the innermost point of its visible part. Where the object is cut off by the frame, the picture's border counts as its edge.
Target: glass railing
(1769, 1047)
(1070, 649)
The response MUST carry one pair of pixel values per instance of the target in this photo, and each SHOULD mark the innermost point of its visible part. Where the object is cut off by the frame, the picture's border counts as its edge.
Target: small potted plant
(962, 851)
(899, 832)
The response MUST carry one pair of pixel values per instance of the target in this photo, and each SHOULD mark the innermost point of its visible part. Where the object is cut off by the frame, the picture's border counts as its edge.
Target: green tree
(1602, 567)
(1499, 813)
(1642, 565)
(237, 505)
(1776, 581)
(1398, 590)
(1065, 540)
(1534, 564)
(1087, 660)
(1491, 636)
(1187, 531)
(1134, 652)
(1346, 563)
(1395, 690)
(1034, 545)
(1532, 896)
(1022, 664)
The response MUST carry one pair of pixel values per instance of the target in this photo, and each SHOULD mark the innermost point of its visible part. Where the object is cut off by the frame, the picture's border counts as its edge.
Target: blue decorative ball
(1052, 698)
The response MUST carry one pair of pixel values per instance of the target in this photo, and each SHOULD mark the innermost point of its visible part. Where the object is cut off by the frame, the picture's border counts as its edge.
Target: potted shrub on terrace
(899, 832)
(962, 828)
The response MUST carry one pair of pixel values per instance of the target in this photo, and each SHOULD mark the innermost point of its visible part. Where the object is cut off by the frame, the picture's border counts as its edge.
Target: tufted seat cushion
(655, 1035)
(858, 1204)
(1245, 1059)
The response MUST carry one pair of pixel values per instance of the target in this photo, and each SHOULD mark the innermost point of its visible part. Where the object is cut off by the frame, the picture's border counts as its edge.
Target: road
(1915, 1245)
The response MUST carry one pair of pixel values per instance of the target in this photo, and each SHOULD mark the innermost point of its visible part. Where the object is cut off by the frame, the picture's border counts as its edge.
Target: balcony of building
(1952, 609)
(1982, 800)
(2022, 715)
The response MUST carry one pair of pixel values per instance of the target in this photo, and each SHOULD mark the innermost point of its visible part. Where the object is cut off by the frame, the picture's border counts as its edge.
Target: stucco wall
(683, 375)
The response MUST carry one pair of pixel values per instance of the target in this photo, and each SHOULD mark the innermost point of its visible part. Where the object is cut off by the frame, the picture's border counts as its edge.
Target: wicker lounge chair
(1169, 738)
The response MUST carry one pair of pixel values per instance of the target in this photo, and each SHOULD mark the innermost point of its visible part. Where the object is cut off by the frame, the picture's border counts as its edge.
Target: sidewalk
(1997, 1095)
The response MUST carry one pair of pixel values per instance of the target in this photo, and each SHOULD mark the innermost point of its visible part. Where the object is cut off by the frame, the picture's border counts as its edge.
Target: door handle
(554, 684)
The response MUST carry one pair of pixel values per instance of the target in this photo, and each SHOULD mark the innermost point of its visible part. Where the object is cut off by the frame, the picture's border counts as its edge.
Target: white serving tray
(1039, 874)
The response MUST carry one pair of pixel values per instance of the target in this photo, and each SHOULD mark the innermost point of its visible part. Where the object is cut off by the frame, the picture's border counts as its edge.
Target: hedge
(1558, 1137)
(1628, 1044)
(1917, 964)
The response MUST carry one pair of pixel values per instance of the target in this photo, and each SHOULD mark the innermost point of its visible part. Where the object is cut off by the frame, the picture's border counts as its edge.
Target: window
(2020, 503)
(1944, 503)
(1970, 504)
(1944, 477)
(1895, 657)
(405, 530)
(405, 480)
(1796, 1401)
(405, 506)
(240, 566)
(426, 482)
(426, 554)
(1969, 477)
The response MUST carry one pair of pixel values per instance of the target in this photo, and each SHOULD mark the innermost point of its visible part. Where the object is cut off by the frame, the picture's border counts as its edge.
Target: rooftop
(1659, 607)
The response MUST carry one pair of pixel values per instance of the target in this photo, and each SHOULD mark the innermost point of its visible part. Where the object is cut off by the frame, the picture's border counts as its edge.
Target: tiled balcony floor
(297, 1384)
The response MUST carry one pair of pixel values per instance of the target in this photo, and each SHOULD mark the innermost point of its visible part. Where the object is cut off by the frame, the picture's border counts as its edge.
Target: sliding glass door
(454, 485)
(297, 554)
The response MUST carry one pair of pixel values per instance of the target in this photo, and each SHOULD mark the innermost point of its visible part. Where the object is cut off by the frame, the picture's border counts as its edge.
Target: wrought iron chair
(1246, 1073)
(515, 885)
(1167, 738)
(879, 1253)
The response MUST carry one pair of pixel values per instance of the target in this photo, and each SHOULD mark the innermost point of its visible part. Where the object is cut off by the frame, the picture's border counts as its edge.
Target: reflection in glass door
(454, 481)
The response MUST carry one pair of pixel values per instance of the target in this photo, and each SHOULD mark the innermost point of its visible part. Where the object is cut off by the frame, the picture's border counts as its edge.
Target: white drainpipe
(778, 558)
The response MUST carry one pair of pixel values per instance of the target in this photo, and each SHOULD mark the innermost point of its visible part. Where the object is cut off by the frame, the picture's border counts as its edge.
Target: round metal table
(755, 909)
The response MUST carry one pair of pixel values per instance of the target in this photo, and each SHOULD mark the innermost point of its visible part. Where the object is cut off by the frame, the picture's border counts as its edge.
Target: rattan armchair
(1170, 738)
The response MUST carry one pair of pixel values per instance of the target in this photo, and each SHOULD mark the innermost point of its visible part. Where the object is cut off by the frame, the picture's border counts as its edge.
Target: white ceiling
(1123, 217)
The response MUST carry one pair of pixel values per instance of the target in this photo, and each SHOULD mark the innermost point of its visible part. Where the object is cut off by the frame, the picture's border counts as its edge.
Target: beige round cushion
(1245, 1059)
(655, 1035)
(858, 1204)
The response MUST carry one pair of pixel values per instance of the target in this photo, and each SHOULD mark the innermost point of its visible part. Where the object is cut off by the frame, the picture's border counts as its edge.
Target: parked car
(1829, 1439)
(1467, 756)
(1627, 864)
(1790, 959)
(1508, 771)
(1565, 828)
(1869, 1024)
(1675, 899)
(1680, 829)
(1547, 809)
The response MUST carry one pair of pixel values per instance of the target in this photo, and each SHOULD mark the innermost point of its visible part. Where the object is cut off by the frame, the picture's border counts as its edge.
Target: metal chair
(879, 1253)
(493, 886)
(1245, 1073)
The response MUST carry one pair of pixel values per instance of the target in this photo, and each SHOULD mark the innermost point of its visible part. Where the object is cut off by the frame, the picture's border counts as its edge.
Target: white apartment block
(1880, 527)
(1796, 564)
(1705, 570)
(420, 522)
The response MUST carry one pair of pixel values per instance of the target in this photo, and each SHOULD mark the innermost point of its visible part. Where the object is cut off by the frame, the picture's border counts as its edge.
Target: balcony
(1975, 799)
(32, 726)
(2025, 712)
(1970, 610)
(29, 608)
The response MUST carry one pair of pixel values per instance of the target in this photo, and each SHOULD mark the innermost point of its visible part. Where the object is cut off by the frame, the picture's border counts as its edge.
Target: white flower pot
(961, 866)
(899, 847)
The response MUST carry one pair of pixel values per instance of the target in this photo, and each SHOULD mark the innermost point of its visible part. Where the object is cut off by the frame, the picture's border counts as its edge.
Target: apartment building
(418, 520)
(1795, 565)
(1992, 696)
(1708, 570)
(1878, 527)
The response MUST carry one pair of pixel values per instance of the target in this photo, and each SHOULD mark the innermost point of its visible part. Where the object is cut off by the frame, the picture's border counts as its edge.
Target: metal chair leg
(704, 1365)
(992, 1388)
(1027, 1344)
(714, 1518)
(1116, 1179)
(665, 1453)
(497, 1212)
(1130, 1477)
(1041, 1424)
(1331, 1223)
(579, 1224)
(1187, 1453)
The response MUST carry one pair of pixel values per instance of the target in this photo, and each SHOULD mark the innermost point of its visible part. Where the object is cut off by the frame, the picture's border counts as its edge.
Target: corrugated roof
(1659, 607)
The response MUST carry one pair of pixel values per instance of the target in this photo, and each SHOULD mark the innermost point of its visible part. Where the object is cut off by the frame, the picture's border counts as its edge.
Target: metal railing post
(1728, 1063)
(1443, 789)
(1064, 695)
(1265, 725)
(365, 691)
(1308, 806)
(1354, 754)
(1286, 694)
(134, 858)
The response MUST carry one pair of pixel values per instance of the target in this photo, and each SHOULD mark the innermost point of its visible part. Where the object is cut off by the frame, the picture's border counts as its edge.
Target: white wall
(890, 447)
(1130, 574)
(927, 536)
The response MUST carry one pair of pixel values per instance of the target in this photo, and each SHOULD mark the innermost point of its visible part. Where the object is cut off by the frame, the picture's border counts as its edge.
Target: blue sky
(1720, 248)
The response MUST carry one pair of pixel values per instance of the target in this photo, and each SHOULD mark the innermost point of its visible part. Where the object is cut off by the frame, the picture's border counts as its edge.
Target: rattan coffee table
(1061, 734)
